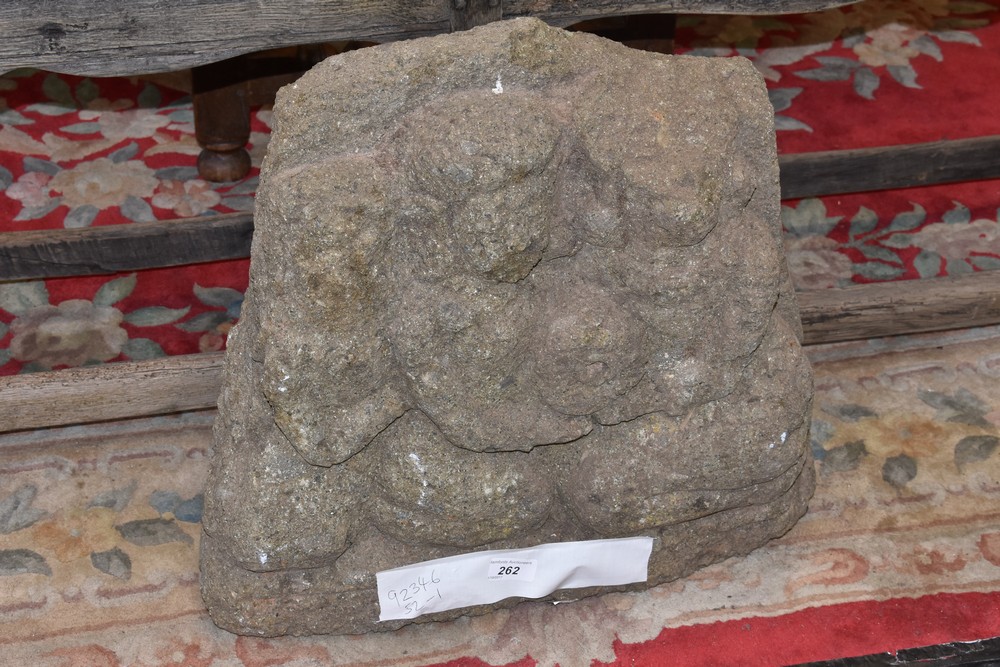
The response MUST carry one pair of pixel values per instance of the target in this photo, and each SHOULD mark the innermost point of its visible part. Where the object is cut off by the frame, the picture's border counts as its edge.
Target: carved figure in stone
(508, 287)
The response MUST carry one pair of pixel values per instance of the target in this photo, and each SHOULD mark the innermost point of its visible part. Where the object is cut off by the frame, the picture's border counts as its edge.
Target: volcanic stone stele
(508, 287)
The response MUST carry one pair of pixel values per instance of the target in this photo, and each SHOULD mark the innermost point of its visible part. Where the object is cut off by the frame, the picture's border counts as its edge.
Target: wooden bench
(125, 37)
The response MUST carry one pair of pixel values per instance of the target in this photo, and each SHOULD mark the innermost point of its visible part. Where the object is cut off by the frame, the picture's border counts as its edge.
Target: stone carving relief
(508, 287)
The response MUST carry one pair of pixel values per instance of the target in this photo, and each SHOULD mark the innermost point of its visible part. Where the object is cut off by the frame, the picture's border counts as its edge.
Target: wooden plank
(901, 307)
(889, 167)
(110, 391)
(113, 248)
(125, 37)
(78, 252)
(567, 12)
(466, 14)
(124, 390)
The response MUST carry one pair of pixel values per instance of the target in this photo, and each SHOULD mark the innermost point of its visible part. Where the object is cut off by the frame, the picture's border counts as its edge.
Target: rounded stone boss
(508, 287)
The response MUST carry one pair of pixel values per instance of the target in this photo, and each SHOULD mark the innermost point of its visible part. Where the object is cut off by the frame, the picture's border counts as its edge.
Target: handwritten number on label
(509, 570)
(413, 597)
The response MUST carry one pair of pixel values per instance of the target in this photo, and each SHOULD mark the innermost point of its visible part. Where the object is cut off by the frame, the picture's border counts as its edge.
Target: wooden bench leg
(223, 92)
(222, 119)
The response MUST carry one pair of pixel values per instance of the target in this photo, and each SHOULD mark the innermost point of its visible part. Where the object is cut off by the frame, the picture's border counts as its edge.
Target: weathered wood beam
(889, 167)
(114, 248)
(119, 37)
(162, 386)
(900, 307)
(466, 14)
(110, 391)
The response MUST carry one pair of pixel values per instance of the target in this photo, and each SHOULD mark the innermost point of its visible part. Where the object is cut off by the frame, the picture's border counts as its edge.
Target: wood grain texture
(566, 12)
(102, 250)
(136, 389)
(111, 391)
(114, 248)
(466, 14)
(889, 167)
(901, 307)
(124, 37)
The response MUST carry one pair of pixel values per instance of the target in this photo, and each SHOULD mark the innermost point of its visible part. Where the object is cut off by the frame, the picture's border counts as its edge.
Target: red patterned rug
(99, 526)
(78, 152)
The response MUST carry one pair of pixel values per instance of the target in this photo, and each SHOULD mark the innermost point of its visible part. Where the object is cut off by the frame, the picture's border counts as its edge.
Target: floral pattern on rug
(835, 251)
(79, 152)
(862, 44)
(111, 322)
(100, 527)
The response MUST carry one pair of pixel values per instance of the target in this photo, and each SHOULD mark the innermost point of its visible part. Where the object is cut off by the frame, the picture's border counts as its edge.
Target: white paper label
(511, 569)
(485, 577)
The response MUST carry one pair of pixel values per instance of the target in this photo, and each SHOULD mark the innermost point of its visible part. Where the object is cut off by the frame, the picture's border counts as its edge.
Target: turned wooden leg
(222, 119)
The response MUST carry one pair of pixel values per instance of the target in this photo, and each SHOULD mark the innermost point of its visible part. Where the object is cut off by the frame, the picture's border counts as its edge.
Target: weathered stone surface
(510, 286)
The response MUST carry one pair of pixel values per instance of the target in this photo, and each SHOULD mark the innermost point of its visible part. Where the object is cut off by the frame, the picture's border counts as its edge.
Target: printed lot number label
(486, 577)
(512, 568)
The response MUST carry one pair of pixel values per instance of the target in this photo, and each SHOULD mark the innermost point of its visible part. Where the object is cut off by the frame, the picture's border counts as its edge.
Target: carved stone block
(510, 286)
